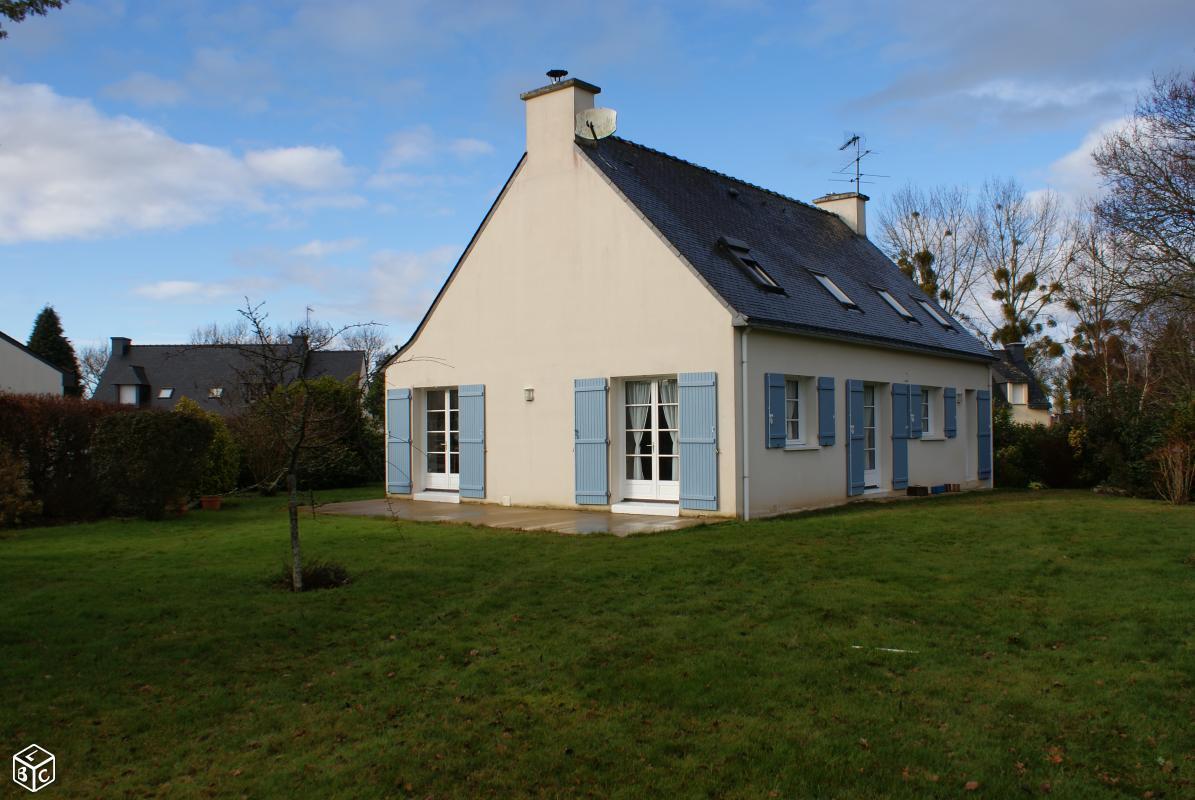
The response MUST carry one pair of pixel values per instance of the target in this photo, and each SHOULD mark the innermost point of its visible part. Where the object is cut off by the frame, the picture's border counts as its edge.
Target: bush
(316, 575)
(222, 463)
(17, 503)
(148, 460)
(1027, 455)
(51, 438)
(343, 446)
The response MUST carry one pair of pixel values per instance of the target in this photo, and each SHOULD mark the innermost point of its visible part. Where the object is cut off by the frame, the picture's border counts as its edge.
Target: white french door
(651, 423)
(442, 440)
(871, 460)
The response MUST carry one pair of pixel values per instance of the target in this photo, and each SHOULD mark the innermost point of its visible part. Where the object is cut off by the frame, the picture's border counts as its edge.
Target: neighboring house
(632, 331)
(1013, 382)
(218, 377)
(24, 372)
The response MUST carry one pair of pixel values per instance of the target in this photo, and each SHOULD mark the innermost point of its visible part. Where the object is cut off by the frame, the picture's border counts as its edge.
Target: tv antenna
(855, 165)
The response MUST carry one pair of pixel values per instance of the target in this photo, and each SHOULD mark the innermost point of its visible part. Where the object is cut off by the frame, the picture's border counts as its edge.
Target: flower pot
(210, 502)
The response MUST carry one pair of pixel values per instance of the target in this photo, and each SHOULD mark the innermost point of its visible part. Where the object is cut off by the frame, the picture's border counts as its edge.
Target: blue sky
(161, 160)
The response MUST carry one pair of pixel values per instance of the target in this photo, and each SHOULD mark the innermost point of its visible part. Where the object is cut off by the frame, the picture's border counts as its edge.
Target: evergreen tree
(49, 342)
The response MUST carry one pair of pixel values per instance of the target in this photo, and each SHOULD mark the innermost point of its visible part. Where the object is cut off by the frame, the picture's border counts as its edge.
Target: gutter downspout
(745, 435)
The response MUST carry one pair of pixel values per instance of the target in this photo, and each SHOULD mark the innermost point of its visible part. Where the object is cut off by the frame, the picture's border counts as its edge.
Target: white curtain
(668, 402)
(638, 407)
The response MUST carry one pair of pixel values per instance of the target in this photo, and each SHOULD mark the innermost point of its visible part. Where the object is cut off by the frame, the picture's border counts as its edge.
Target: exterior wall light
(528, 394)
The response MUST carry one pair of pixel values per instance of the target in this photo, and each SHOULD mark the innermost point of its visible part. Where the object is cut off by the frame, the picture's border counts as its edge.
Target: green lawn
(1052, 640)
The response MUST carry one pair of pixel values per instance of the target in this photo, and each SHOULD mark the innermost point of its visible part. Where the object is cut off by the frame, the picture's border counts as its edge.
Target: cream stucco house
(24, 372)
(630, 331)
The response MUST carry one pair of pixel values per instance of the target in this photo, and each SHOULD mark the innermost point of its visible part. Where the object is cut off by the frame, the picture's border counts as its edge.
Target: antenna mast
(856, 164)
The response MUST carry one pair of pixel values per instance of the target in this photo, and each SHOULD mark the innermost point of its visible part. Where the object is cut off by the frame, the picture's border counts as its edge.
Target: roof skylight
(938, 318)
(833, 289)
(896, 306)
(740, 253)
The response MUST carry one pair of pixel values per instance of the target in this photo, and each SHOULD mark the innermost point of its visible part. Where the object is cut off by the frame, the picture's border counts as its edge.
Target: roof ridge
(722, 175)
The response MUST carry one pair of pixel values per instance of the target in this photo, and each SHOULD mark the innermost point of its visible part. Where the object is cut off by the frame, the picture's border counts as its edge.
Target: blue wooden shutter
(825, 411)
(698, 440)
(472, 440)
(774, 411)
(950, 415)
(590, 441)
(900, 435)
(398, 441)
(855, 434)
(915, 412)
(983, 402)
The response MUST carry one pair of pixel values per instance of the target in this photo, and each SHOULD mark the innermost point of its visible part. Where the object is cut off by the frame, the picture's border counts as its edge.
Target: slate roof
(1013, 368)
(694, 207)
(192, 370)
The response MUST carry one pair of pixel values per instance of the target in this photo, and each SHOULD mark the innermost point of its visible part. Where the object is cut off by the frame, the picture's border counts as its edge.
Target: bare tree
(371, 340)
(933, 236)
(1095, 293)
(289, 417)
(1149, 170)
(93, 360)
(1022, 254)
(237, 332)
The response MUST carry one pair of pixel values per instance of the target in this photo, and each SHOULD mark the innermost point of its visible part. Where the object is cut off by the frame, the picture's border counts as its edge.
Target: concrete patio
(522, 519)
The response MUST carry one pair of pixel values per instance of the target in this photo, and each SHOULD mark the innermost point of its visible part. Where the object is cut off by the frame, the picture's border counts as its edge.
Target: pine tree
(49, 342)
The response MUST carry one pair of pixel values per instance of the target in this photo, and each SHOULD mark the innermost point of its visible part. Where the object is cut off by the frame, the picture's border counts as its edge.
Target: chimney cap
(826, 198)
(558, 85)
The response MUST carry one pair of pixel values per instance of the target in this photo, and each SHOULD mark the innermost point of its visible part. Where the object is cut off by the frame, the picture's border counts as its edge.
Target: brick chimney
(851, 207)
(551, 116)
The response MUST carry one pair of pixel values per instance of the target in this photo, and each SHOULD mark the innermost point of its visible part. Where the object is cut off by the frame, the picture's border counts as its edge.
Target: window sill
(934, 438)
(798, 446)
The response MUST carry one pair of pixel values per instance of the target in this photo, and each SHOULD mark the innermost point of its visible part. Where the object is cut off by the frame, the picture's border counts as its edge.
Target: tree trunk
(292, 507)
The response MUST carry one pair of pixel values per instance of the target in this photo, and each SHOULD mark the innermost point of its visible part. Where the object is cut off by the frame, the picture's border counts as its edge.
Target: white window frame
(806, 410)
(931, 398)
(1017, 393)
(895, 304)
(933, 312)
(830, 286)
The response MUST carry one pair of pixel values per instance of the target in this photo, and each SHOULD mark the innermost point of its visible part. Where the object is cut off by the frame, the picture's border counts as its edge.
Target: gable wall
(782, 480)
(21, 373)
(566, 281)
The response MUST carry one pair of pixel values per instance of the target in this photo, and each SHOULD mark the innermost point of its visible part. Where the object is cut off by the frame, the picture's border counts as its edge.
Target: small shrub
(1175, 464)
(316, 575)
(148, 460)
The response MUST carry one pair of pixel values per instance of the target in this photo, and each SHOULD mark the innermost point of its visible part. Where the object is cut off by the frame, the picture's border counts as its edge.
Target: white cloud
(402, 285)
(318, 248)
(1033, 96)
(421, 145)
(147, 90)
(69, 171)
(301, 167)
(183, 290)
(1074, 175)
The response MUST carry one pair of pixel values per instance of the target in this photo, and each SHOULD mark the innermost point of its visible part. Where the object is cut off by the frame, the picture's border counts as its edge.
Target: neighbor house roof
(1013, 368)
(193, 370)
(710, 218)
(25, 348)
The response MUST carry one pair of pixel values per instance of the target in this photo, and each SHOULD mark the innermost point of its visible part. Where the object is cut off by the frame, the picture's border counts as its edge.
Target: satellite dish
(596, 123)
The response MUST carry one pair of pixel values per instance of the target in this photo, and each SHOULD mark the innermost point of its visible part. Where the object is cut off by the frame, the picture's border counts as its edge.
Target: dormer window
(832, 288)
(215, 393)
(895, 304)
(166, 392)
(933, 312)
(740, 253)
